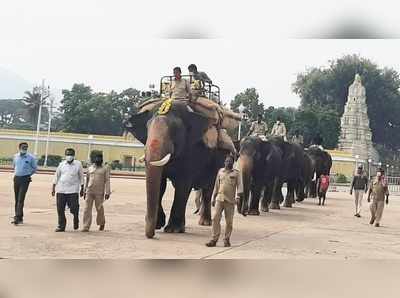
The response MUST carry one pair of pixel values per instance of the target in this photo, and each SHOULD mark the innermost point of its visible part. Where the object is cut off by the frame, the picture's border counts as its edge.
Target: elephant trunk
(158, 153)
(246, 168)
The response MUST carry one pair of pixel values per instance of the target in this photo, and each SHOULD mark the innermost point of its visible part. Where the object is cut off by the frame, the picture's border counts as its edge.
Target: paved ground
(306, 231)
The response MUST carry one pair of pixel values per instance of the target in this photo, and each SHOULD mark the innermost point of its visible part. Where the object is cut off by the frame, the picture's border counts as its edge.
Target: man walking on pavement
(227, 183)
(360, 186)
(97, 190)
(379, 189)
(25, 166)
(68, 184)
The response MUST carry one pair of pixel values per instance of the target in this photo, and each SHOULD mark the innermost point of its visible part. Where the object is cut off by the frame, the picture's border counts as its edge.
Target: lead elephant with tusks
(175, 150)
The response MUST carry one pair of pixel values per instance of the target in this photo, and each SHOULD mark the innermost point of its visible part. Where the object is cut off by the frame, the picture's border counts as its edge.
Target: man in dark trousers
(25, 166)
(68, 184)
(360, 186)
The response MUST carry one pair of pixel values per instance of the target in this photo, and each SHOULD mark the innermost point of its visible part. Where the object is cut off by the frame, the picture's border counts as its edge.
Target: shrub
(341, 178)
(52, 160)
(116, 165)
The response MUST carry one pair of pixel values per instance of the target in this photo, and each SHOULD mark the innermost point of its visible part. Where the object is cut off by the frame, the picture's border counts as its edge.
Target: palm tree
(32, 104)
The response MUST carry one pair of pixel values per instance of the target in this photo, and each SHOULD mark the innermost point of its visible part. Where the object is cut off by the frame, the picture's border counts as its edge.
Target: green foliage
(52, 160)
(341, 178)
(314, 120)
(116, 165)
(97, 113)
(11, 113)
(6, 161)
(326, 89)
(32, 101)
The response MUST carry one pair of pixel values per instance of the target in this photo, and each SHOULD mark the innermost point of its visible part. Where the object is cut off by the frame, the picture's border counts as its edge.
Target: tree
(97, 113)
(250, 100)
(32, 105)
(326, 89)
(11, 112)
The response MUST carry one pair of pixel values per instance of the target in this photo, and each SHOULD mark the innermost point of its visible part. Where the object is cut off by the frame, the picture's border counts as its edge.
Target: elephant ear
(197, 126)
(137, 125)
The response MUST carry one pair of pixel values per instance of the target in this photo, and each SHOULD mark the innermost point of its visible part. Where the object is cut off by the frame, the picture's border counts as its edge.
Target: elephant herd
(175, 150)
(267, 165)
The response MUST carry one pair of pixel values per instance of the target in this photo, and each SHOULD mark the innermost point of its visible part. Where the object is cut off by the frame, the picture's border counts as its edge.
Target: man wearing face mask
(227, 184)
(25, 166)
(279, 129)
(68, 184)
(97, 190)
(379, 190)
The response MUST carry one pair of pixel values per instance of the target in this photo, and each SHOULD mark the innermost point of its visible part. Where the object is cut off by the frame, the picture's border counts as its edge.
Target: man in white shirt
(68, 184)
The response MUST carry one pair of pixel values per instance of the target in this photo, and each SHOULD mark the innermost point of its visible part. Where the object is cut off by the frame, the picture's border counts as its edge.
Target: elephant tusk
(161, 162)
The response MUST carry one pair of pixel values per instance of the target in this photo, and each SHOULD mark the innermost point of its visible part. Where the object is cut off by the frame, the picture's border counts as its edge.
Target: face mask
(69, 158)
(23, 151)
(277, 122)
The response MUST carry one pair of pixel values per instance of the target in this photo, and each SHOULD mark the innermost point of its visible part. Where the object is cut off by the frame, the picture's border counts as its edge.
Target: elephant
(321, 164)
(175, 150)
(259, 163)
(292, 172)
(308, 176)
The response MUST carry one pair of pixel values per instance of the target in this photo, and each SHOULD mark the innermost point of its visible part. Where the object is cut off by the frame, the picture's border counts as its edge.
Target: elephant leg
(205, 210)
(255, 199)
(161, 214)
(266, 200)
(300, 192)
(290, 195)
(313, 189)
(176, 223)
(276, 195)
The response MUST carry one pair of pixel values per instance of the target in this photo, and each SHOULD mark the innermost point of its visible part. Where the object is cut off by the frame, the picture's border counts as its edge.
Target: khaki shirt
(180, 89)
(279, 130)
(226, 184)
(98, 180)
(298, 140)
(258, 128)
(379, 189)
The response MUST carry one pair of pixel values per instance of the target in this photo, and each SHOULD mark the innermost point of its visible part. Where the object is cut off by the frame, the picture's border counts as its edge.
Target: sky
(114, 45)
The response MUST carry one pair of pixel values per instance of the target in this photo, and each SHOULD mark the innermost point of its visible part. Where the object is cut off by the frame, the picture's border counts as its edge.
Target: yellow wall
(9, 140)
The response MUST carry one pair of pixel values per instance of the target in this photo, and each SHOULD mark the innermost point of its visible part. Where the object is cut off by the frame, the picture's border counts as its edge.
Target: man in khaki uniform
(97, 190)
(228, 181)
(297, 138)
(258, 128)
(180, 88)
(379, 189)
(279, 129)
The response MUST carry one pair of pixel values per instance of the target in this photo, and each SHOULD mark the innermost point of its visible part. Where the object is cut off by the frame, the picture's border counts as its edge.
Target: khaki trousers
(358, 197)
(376, 208)
(229, 210)
(87, 215)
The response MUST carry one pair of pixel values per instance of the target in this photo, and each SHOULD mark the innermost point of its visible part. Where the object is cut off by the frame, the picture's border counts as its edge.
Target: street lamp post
(48, 130)
(90, 138)
(357, 157)
(387, 170)
(369, 168)
(39, 118)
(241, 110)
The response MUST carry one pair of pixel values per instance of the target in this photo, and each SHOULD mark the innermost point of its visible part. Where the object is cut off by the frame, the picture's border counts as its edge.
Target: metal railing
(211, 91)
